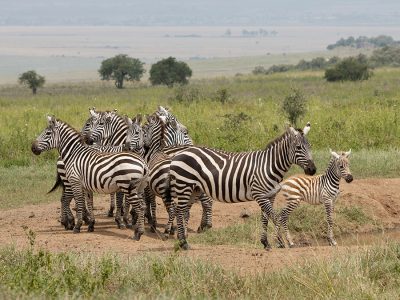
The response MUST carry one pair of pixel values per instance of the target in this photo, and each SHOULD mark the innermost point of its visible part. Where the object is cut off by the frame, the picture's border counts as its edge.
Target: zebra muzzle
(35, 148)
(349, 178)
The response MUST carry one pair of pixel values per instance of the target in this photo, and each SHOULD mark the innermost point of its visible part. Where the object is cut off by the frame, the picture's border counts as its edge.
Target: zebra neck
(331, 173)
(277, 159)
(117, 136)
(70, 142)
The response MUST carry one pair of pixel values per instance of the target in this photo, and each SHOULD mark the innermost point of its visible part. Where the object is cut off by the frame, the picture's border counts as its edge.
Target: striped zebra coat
(238, 177)
(88, 170)
(321, 189)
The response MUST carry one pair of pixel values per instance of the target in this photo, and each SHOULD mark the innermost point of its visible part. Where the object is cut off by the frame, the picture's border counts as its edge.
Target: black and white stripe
(321, 189)
(238, 177)
(88, 170)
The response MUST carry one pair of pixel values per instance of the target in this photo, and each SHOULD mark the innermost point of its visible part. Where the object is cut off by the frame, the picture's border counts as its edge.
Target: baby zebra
(321, 189)
(88, 170)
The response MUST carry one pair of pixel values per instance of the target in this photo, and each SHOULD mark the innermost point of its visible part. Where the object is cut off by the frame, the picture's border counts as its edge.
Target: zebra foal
(321, 189)
(238, 177)
(88, 170)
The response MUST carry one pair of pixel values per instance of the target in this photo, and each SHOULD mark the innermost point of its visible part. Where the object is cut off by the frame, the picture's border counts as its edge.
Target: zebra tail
(58, 183)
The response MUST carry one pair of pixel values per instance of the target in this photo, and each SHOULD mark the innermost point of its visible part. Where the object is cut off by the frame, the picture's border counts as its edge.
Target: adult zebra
(134, 144)
(89, 170)
(238, 177)
(159, 171)
(321, 189)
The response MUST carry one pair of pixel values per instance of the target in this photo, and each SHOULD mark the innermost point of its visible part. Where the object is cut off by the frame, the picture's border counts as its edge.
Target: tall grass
(357, 115)
(364, 274)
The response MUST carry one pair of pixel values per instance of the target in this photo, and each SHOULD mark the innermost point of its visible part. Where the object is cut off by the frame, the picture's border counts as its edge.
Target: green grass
(306, 223)
(364, 274)
(357, 115)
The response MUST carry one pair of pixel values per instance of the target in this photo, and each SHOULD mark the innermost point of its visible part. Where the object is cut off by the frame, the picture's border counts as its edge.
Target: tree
(350, 68)
(121, 67)
(32, 80)
(294, 106)
(169, 71)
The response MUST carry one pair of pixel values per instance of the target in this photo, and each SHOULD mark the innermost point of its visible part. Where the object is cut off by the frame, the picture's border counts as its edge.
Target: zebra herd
(135, 162)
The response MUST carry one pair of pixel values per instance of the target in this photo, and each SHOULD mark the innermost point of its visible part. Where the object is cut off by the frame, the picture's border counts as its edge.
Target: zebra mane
(81, 135)
(281, 137)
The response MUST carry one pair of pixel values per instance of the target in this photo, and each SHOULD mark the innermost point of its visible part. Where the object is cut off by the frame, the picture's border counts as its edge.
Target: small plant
(32, 80)
(223, 95)
(186, 93)
(30, 234)
(294, 106)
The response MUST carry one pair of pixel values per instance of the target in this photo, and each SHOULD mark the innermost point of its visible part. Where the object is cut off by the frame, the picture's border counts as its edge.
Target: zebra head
(300, 149)
(176, 133)
(134, 138)
(153, 130)
(49, 138)
(87, 127)
(102, 127)
(342, 165)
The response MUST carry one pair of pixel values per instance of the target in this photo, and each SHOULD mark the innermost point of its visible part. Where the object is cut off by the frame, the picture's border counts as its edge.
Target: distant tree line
(364, 42)
(317, 63)
(341, 68)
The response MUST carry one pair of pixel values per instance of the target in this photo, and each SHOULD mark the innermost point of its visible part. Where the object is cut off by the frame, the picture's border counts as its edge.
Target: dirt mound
(379, 197)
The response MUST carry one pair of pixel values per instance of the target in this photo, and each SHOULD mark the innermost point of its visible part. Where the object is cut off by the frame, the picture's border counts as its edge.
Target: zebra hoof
(184, 245)
(332, 243)
(110, 214)
(137, 235)
(90, 228)
(203, 228)
(172, 231)
(153, 228)
(130, 226)
(121, 226)
(292, 245)
(266, 245)
(76, 230)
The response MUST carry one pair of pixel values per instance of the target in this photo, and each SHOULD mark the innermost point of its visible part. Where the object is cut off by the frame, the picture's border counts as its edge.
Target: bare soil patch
(379, 197)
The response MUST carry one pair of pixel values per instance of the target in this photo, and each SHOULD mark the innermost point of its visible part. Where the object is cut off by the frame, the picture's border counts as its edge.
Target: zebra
(89, 170)
(238, 177)
(159, 175)
(321, 189)
(134, 144)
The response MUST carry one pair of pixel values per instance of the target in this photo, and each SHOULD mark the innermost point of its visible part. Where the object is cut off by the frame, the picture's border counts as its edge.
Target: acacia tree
(121, 67)
(32, 80)
(169, 71)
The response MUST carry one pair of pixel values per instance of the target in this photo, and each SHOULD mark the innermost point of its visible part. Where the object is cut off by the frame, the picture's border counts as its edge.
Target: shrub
(351, 68)
(294, 106)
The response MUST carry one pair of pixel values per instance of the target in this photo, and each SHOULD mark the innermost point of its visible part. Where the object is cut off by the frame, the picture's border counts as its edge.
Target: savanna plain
(39, 259)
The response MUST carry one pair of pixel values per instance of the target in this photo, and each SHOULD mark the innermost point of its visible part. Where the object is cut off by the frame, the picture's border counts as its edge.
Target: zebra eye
(48, 133)
(298, 147)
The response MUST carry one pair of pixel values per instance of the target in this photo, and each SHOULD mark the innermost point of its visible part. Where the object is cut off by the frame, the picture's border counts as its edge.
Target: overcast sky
(200, 12)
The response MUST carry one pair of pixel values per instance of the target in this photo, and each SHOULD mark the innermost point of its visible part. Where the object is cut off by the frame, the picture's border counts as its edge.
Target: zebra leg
(89, 198)
(181, 209)
(118, 213)
(79, 197)
(67, 218)
(206, 218)
(329, 208)
(128, 223)
(151, 207)
(267, 212)
(284, 216)
(112, 206)
(136, 200)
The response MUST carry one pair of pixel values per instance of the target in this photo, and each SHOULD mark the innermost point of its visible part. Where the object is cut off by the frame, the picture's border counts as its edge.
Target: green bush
(351, 68)
(294, 106)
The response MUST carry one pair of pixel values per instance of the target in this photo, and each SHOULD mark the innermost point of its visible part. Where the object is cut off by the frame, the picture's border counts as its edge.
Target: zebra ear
(334, 154)
(115, 110)
(93, 112)
(163, 119)
(128, 121)
(347, 154)
(294, 131)
(52, 121)
(307, 128)
(138, 119)
(162, 109)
